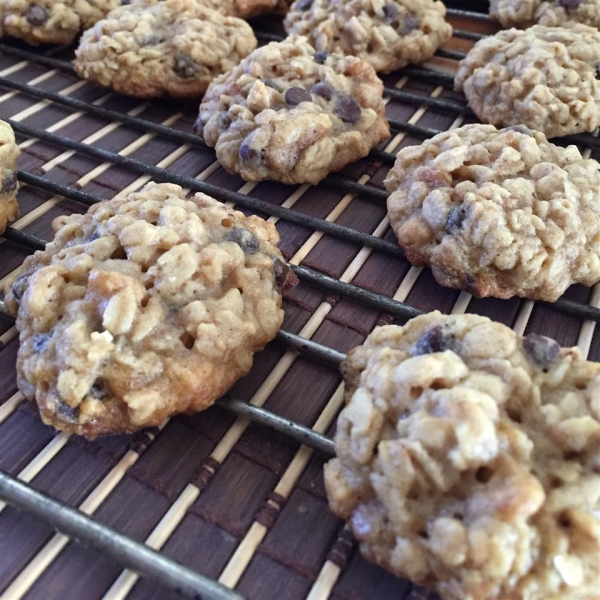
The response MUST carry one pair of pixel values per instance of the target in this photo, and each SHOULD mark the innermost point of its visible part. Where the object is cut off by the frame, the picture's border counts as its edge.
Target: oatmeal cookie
(288, 113)
(147, 306)
(543, 77)
(389, 34)
(152, 48)
(552, 13)
(498, 212)
(9, 152)
(468, 460)
(51, 21)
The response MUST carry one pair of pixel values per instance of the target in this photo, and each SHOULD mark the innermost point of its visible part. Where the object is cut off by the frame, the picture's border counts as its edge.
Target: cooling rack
(228, 503)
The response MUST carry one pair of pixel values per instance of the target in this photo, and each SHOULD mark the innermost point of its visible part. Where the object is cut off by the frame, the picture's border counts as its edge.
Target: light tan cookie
(9, 152)
(498, 212)
(388, 34)
(290, 114)
(51, 21)
(552, 13)
(153, 48)
(147, 306)
(544, 77)
(468, 460)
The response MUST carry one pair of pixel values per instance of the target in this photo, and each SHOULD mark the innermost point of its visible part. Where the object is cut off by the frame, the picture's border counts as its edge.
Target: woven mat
(236, 502)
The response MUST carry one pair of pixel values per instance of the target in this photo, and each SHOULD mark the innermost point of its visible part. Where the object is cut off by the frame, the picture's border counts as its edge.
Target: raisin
(436, 339)
(9, 183)
(285, 278)
(456, 218)
(245, 239)
(185, 66)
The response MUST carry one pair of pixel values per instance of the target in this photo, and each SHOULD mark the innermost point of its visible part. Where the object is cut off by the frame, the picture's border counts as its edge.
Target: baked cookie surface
(288, 113)
(554, 13)
(147, 306)
(467, 460)
(388, 35)
(51, 21)
(543, 77)
(9, 152)
(498, 212)
(153, 48)
(245, 9)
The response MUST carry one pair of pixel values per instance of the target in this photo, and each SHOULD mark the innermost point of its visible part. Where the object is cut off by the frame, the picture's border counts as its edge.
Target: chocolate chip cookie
(147, 306)
(498, 212)
(51, 21)
(553, 13)
(387, 34)
(9, 152)
(289, 113)
(468, 460)
(152, 48)
(544, 77)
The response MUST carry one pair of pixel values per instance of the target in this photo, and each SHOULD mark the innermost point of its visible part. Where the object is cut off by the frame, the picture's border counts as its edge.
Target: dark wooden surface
(303, 532)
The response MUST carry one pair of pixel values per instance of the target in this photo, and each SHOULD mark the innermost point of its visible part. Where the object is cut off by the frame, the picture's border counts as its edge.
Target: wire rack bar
(367, 297)
(128, 552)
(42, 59)
(224, 195)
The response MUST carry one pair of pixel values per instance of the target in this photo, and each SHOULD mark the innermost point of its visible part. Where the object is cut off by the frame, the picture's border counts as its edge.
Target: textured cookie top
(543, 77)
(524, 13)
(9, 152)
(151, 48)
(498, 212)
(386, 33)
(468, 460)
(51, 21)
(290, 114)
(146, 306)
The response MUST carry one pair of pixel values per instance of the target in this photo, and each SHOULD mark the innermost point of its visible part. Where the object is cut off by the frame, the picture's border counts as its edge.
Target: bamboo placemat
(237, 502)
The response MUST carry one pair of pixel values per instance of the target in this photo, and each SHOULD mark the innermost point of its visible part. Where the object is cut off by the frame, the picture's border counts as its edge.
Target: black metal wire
(222, 194)
(134, 555)
(469, 14)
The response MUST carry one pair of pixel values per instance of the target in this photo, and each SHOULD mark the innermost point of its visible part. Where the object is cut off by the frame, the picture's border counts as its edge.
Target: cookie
(152, 48)
(554, 13)
(288, 113)
(147, 306)
(387, 34)
(51, 21)
(468, 460)
(498, 212)
(9, 152)
(544, 77)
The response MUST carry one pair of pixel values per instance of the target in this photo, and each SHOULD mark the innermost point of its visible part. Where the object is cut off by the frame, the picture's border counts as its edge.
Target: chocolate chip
(456, 218)
(541, 349)
(20, 285)
(323, 89)
(271, 84)
(436, 339)
(296, 95)
(225, 120)
(37, 16)
(520, 129)
(569, 3)
(152, 40)
(408, 25)
(9, 183)
(40, 342)
(320, 56)
(391, 12)
(285, 278)
(303, 4)
(66, 412)
(245, 239)
(98, 390)
(347, 108)
(248, 154)
(185, 66)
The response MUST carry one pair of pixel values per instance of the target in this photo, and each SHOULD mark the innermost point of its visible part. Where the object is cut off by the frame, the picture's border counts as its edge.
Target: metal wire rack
(427, 107)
